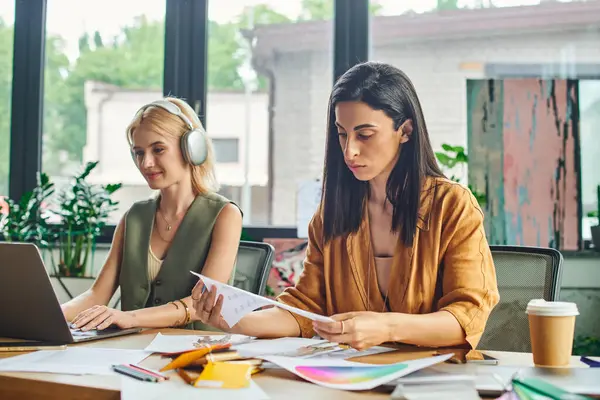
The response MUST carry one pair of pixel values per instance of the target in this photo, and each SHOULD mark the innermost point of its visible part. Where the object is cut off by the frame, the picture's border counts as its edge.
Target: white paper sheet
(73, 361)
(347, 375)
(238, 302)
(178, 343)
(132, 389)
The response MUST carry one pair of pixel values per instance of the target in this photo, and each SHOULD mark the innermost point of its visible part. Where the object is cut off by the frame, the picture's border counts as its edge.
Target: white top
(551, 308)
(154, 264)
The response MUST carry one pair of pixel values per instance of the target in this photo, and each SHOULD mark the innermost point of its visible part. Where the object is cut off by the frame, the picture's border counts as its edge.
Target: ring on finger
(343, 328)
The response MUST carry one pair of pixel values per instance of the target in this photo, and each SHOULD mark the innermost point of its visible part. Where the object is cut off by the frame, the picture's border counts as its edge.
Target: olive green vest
(187, 252)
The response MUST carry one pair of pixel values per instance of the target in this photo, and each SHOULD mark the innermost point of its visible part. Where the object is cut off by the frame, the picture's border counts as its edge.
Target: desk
(278, 384)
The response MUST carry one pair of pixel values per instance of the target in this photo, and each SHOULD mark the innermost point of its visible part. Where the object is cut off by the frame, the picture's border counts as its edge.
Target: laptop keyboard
(94, 332)
(78, 333)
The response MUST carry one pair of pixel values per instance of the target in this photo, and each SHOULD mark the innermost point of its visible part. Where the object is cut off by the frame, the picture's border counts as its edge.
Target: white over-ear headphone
(193, 142)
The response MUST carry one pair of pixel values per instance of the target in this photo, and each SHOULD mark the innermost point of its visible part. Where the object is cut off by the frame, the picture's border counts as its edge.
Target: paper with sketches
(73, 360)
(352, 353)
(347, 375)
(302, 348)
(180, 343)
(238, 302)
(132, 389)
(281, 346)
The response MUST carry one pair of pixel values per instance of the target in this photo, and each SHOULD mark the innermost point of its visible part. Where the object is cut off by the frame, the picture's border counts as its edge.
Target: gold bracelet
(188, 317)
(176, 324)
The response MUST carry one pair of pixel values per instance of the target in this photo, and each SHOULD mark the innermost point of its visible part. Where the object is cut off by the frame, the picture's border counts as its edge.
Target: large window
(7, 16)
(445, 44)
(270, 69)
(101, 66)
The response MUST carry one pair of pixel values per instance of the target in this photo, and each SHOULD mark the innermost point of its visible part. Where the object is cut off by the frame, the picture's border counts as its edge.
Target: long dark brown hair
(386, 88)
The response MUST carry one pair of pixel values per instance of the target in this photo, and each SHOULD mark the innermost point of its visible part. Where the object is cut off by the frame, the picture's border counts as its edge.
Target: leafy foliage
(25, 220)
(453, 156)
(84, 209)
(586, 346)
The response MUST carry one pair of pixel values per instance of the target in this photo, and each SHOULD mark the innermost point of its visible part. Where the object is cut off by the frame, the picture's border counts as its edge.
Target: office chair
(253, 265)
(523, 273)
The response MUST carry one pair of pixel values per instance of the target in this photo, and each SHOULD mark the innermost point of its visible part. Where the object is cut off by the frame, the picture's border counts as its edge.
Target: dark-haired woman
(396, 252)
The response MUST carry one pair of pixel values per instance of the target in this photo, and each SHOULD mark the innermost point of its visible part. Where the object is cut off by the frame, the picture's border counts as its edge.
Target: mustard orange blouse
(449, 266)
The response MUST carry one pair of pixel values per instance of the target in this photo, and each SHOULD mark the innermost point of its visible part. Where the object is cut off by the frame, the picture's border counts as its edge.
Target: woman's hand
(206, 309)
(101, 317)
(360, 330)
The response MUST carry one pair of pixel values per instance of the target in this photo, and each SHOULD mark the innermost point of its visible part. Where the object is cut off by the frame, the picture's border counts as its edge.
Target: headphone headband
(193, 141)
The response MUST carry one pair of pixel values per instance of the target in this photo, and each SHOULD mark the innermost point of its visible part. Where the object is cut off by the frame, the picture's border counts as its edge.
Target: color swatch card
(347, 375)
(238, 302)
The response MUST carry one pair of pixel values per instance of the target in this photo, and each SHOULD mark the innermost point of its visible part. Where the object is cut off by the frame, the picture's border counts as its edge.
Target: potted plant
(83, 209)
(596, 229)
(453, 156)
(26, 220)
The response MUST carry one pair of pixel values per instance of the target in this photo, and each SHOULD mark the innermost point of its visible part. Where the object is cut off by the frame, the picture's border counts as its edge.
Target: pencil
(133, 373)
(160, 377)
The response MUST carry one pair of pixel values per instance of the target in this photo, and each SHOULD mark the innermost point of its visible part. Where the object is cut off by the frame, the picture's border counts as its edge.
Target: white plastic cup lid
(545, 308)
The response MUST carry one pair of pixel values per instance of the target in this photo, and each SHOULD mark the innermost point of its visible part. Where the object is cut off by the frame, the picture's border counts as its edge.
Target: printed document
(238, 302)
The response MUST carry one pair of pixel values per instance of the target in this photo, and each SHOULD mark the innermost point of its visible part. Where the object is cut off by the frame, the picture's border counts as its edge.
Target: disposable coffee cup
(551, 328)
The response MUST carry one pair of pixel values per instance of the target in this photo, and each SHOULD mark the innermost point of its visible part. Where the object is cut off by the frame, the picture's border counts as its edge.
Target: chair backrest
(253, 264)
(523, 273)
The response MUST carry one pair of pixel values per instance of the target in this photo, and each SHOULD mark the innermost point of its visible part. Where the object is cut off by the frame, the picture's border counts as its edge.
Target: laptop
(30, 310)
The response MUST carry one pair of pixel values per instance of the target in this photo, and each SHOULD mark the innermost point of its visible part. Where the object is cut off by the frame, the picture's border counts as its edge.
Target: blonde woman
(188, 226)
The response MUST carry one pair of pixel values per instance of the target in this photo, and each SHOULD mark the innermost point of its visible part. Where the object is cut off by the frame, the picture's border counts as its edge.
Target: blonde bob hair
(166, 124)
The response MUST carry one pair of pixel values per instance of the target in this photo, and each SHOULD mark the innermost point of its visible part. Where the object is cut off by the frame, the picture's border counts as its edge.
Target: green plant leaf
(461, 157)
(445, 160)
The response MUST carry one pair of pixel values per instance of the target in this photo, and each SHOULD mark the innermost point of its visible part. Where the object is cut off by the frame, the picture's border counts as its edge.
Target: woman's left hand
(101, 317)
(360, 330)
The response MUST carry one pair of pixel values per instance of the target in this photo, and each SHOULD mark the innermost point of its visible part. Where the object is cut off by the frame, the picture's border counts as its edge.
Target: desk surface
(277, 383)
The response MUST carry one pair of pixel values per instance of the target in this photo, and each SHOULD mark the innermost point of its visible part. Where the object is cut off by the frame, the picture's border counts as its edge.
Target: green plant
(84, 209)
(586, 346)
(453, 156)
(26, 220)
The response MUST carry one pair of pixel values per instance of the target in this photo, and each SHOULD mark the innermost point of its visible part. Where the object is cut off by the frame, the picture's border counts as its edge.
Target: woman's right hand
(206, 310)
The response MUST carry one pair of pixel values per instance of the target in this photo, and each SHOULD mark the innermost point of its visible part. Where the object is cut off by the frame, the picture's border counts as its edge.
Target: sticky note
(225, 376)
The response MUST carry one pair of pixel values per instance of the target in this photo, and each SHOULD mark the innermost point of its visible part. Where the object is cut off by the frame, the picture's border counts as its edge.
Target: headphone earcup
(193, 146)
